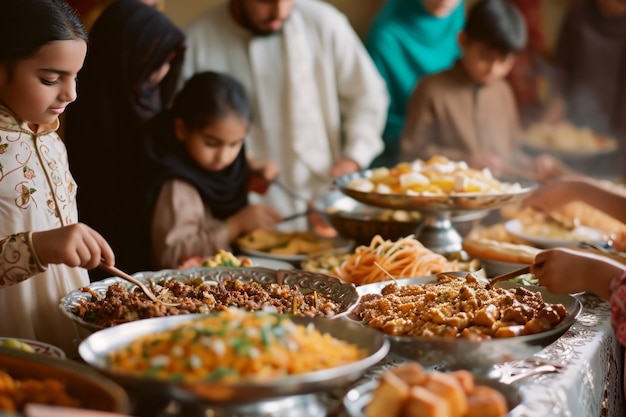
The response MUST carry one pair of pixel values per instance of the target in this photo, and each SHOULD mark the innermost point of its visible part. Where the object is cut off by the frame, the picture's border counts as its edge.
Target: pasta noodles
(404, 258)
(234, 345)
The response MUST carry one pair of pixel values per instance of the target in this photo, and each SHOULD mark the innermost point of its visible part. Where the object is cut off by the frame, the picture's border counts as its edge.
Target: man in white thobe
(319, 102)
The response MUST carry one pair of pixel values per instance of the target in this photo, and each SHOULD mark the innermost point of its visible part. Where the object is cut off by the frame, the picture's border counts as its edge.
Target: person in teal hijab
(407, 40)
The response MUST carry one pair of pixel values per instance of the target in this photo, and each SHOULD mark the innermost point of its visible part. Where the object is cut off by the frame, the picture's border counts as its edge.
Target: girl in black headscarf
(130, 74)
(197, 173)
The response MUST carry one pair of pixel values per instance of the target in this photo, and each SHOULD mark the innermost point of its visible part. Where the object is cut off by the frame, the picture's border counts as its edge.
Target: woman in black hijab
(130, 74)
(197, 174)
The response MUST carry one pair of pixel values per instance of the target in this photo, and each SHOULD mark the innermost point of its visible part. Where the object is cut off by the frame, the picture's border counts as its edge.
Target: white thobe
(317, 96)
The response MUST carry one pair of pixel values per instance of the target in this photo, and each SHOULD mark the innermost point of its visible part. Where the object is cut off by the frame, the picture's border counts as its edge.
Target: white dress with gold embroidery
(37, 192)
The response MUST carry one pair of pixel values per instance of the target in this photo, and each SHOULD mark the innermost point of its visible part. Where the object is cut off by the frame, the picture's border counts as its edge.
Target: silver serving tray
(477, 356)
(95, 349)
(356, 400)
(338, 243)
(343, 293)
(469, 202)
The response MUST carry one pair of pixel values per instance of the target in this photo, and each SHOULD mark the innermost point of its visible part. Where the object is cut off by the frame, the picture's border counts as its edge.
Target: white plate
(338, 244)
(270, 263)
(40, 347)
(493, 267)
(579, 234)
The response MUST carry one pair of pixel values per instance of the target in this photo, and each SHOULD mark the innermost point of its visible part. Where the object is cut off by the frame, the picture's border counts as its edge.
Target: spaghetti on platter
(403, 258)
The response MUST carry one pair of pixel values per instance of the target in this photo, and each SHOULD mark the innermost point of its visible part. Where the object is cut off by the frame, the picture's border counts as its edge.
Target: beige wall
(360, 12)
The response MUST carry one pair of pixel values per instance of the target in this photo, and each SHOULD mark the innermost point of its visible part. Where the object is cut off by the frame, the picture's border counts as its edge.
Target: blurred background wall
(359, 12)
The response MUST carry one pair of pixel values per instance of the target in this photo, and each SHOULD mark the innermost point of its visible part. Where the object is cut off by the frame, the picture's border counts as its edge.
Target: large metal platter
(469, 202)
(95, 349)
(477, 356)
(356, 400)
(343, 293)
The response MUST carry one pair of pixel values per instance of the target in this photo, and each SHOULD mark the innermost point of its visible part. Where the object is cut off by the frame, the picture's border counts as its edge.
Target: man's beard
(249, 24)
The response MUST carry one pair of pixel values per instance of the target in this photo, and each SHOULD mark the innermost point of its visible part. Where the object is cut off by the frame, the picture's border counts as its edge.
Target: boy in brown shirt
(469, 112)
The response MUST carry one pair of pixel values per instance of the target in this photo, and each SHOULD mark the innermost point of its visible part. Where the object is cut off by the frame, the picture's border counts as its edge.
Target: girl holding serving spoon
(197, 172)
(42, 247)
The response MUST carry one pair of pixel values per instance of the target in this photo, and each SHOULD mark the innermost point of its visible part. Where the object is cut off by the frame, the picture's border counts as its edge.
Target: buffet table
(590, 381)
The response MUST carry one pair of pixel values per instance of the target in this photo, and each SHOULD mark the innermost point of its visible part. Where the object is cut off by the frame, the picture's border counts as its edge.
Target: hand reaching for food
(262, 173)
(344, 166)
(252, 217)
(568, 271)
(483, 160)
(74, 245)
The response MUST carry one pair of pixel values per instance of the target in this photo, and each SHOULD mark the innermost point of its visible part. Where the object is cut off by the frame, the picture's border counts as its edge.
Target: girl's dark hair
(497, 24)
(27, 25)
(209, 96)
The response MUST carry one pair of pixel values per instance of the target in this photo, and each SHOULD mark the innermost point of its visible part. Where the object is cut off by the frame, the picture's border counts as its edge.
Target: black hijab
(104, 127)
(225, 191)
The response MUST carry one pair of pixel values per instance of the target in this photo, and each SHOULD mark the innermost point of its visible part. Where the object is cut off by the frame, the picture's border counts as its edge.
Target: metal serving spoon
(508, 275)
(121, 274)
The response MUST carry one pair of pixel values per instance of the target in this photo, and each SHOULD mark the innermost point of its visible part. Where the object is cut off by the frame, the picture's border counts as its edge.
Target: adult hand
(555, 112)
(77, 245)
(553, 195)
(344, 166)
(483, 160)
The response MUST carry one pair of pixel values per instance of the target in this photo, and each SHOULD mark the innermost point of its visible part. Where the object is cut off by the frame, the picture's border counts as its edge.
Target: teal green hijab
(406, 42)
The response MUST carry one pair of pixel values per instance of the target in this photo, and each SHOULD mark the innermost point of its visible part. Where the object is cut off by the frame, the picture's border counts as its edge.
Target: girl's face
(217, 145)
(440, 8)
(37, 89)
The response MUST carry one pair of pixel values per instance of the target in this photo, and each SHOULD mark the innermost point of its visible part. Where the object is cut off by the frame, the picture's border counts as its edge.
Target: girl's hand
(75, 245)
(567, 271)
(252, 217)
(262, 174)
(344, 166)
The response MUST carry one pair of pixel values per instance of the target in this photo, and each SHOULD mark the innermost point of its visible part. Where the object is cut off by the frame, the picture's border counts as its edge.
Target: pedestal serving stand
(437, 232)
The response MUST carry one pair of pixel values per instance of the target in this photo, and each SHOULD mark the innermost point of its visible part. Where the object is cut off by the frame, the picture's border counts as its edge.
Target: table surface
(589, 382)
(590, 379)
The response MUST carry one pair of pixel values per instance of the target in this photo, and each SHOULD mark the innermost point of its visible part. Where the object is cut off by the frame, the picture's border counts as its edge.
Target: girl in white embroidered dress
(42, 247)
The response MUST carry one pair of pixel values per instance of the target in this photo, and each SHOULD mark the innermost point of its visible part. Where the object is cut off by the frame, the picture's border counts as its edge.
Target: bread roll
(500, 251)
(411, 373)
(465, 378)
(388, 398)
(423, 403)
(450, 390)
(485, 401)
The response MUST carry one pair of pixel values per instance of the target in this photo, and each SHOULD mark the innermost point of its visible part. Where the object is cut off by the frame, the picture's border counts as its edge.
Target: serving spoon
(121, 274)
(508, 275)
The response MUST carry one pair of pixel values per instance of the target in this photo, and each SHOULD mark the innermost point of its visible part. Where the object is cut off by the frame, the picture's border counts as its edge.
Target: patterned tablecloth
(589, 382)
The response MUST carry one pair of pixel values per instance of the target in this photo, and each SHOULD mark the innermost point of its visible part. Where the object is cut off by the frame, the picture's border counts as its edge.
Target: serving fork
(516, 371)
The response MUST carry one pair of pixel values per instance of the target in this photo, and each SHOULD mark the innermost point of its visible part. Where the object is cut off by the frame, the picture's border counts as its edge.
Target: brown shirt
(182, 225)
(448, 114)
